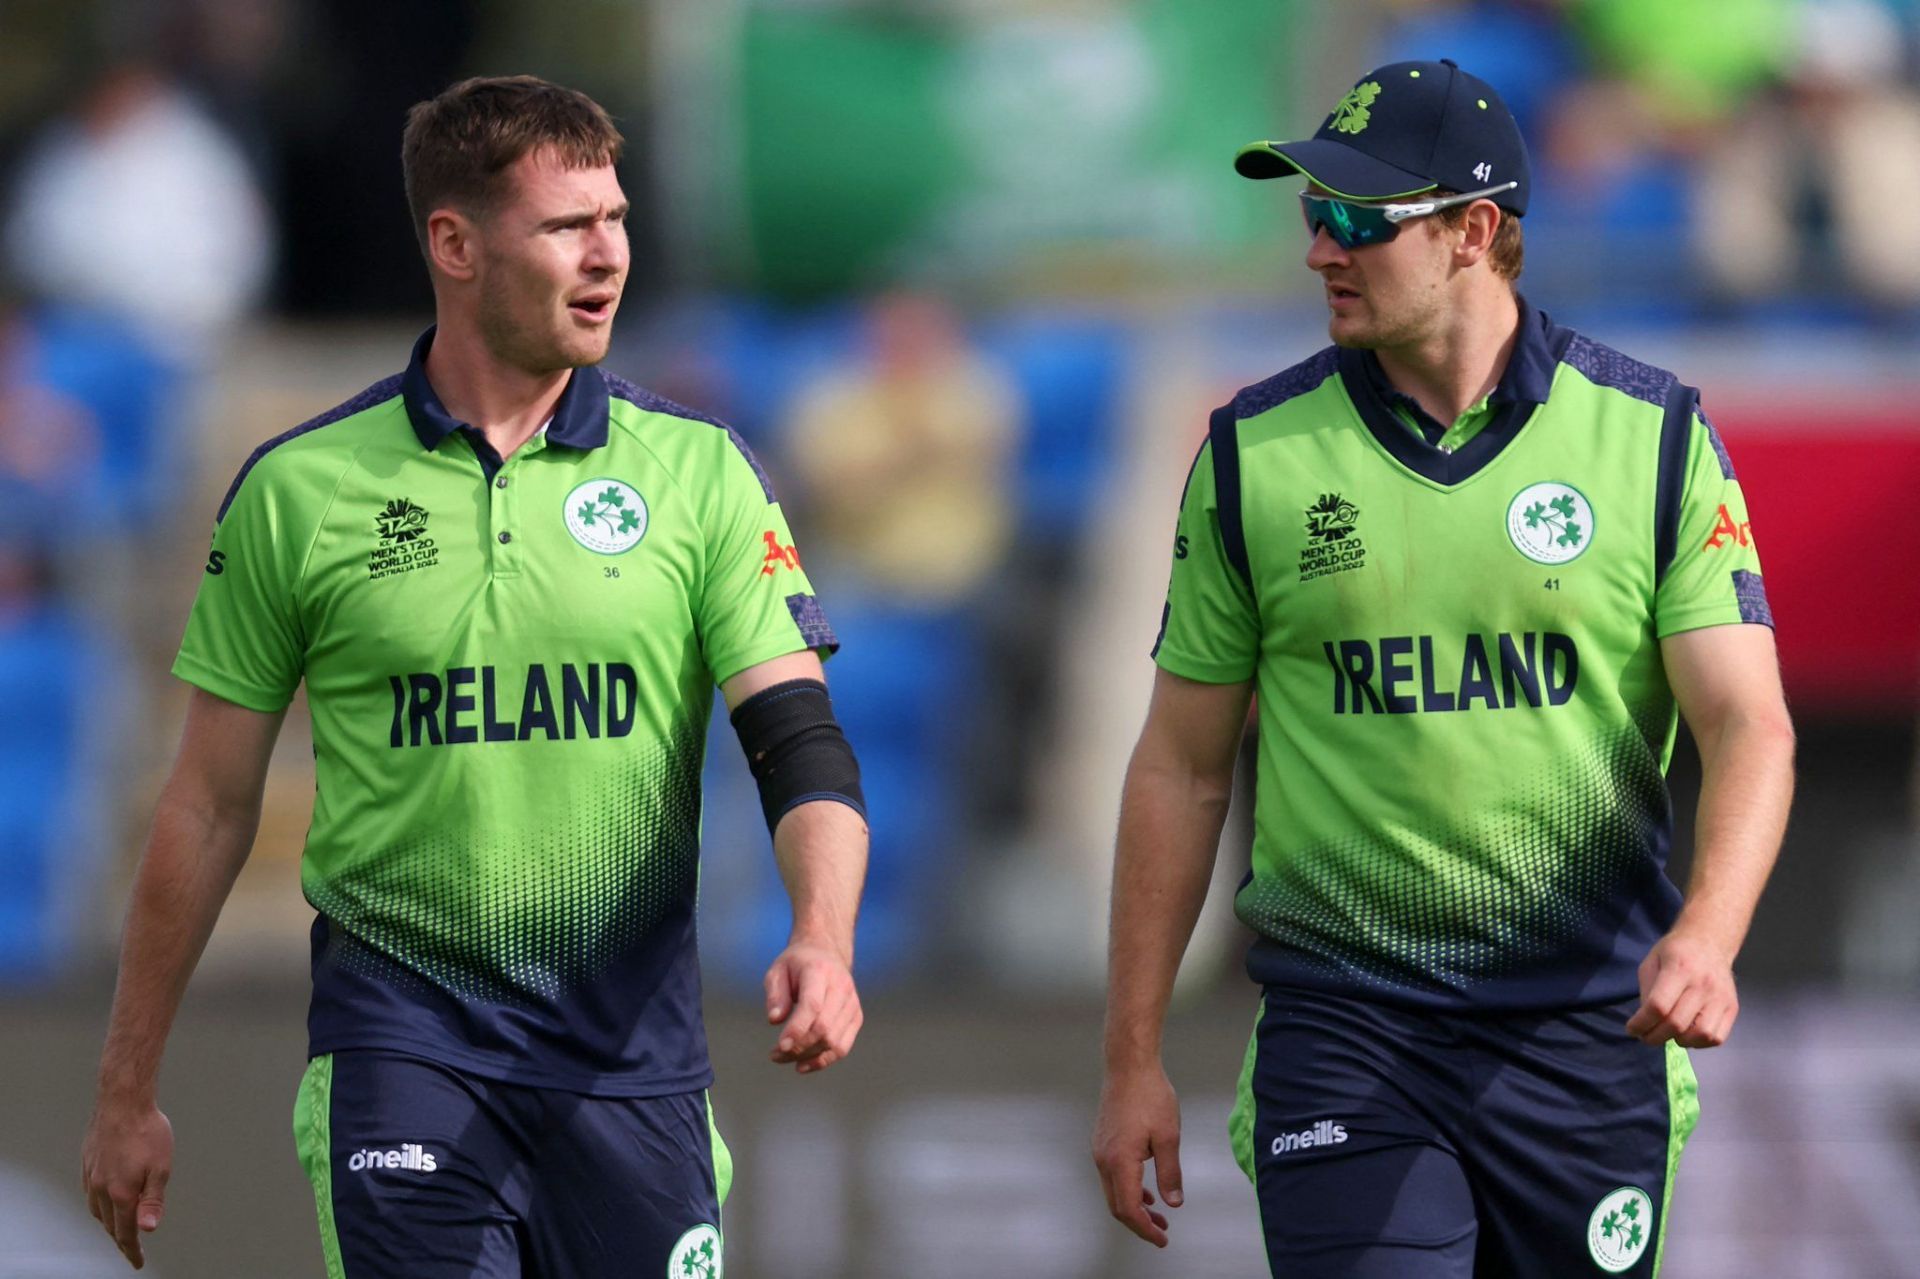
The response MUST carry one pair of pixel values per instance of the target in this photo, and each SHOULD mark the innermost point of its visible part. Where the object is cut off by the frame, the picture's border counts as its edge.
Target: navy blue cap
(1405, 128)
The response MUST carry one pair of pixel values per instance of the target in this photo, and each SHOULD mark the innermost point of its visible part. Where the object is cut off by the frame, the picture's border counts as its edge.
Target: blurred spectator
(50, 668)
(1750, 148)
(1788, 122)
(102, 406)
(49, 440)
(906, 459)
(1823, 172)
(59, 691)
(138, 203)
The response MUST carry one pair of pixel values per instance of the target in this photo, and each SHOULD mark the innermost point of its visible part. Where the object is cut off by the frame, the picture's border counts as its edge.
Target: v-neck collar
(1523, 387)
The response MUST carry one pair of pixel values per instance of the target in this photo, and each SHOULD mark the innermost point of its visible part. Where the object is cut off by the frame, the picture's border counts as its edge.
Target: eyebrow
(583, 216)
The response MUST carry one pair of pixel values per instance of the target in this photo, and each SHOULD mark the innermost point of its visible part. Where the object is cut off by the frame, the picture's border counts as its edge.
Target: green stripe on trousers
(722, 1162)
(313, 1139)
(1683, 1112)
(1240, 1122)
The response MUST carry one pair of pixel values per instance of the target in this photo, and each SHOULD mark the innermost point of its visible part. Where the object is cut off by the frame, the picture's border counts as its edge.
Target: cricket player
(1471, 563)
(510, 583)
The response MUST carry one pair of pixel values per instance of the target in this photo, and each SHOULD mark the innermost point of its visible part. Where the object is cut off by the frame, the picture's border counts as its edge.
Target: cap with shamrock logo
(1402, 129)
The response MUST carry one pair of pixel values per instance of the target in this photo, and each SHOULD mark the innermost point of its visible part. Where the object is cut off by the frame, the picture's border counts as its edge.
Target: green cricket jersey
(510, 666)
(1464, 719)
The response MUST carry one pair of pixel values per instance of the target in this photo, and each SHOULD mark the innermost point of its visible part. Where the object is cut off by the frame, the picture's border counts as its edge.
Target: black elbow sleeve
(796, 750)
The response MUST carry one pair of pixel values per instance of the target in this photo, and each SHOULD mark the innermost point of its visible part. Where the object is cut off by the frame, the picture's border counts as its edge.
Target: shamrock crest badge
(696, 1255)
(1620, 1229)
(606, 516)
(1550, 523)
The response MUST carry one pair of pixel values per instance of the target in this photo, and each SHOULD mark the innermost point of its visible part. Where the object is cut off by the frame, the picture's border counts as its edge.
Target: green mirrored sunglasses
(1354, 225)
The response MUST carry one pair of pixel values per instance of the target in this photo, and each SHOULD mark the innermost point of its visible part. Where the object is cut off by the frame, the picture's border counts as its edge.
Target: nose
(1325, 251)
(607, 251)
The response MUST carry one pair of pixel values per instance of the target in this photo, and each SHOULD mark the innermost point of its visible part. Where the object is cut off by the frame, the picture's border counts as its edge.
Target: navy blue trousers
(1386, 1143)
(423, 1171)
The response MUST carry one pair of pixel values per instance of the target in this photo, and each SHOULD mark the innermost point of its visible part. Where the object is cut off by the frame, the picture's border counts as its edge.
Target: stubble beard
(539, 347)
(1407, 323)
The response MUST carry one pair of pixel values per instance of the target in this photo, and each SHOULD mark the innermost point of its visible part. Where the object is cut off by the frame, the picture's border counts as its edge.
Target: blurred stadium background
(969, 274)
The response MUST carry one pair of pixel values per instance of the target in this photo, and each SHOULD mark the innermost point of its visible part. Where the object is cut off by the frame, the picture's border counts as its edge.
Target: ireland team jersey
(1464, 719)
(510, 666)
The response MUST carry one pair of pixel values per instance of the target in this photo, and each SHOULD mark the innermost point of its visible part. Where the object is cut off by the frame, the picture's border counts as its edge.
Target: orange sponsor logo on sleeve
(778, 556)
(1727, 529)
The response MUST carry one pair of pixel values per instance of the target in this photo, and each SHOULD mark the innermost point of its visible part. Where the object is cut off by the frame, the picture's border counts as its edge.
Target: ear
(1476, 233)
(453, 244)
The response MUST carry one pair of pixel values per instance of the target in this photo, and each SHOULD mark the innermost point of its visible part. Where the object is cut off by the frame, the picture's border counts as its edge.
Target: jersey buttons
(504, 514)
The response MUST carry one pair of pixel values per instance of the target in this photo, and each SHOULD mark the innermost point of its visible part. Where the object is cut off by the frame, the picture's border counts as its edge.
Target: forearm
(821, 849)
(1746, 788)
(193, 854)
(1170, 821)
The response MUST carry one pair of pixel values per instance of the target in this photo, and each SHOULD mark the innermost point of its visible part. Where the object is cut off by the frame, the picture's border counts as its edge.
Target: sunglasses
(1353, 226)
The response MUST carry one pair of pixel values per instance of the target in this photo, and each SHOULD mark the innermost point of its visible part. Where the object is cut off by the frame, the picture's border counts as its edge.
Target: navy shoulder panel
(1713, 439)
(640, 397)
(1166, 609)
(1604, 366)
(1670, 483)
(1223, 432)
(379, 393)
(1286, 384)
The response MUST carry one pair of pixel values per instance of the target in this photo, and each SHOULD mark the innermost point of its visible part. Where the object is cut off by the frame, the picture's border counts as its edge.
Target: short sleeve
(1714, 577)
(243, 639)
(1209, 630)
(757, 603)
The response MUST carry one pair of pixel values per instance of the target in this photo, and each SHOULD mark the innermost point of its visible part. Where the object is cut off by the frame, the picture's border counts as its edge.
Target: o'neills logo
(410, 1158)
(1324, 1133)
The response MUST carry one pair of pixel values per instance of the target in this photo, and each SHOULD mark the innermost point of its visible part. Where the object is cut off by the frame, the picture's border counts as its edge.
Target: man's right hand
(124, 1164)
(1139, 1120)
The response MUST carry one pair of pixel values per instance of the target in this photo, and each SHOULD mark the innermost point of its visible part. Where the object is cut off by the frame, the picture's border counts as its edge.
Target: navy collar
(579, 419)
(1523, 386)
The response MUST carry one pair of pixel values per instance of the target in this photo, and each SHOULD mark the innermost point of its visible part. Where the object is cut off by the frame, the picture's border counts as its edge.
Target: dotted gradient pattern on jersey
(520, 917)
(1482, 896)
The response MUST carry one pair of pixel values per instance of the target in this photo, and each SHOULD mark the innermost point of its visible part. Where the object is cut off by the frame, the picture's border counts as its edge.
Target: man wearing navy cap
(1475, 565)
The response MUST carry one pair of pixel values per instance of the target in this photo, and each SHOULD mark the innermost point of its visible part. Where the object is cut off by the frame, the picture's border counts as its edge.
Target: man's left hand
(1686, 993)
(811, 996)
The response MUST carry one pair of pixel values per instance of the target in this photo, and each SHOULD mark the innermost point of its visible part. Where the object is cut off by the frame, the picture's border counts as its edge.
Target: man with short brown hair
(510, 583)
(457, 147)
